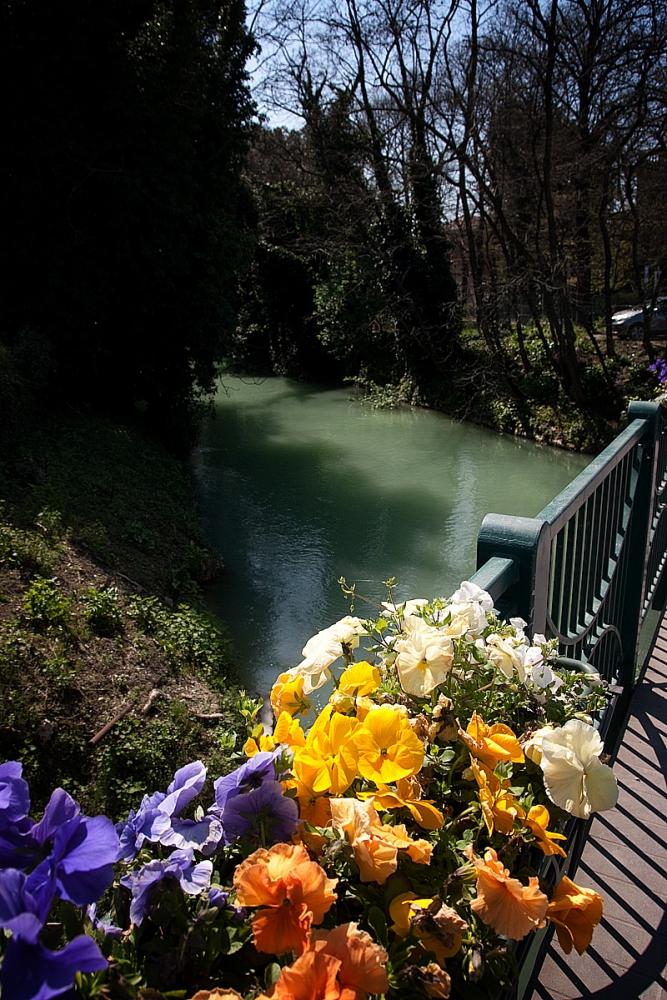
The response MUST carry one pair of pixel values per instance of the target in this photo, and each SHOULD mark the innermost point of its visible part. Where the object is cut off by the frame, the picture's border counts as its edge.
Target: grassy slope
(98, 552)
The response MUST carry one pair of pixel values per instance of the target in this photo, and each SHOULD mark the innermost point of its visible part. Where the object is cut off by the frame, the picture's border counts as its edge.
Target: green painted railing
(589, 567)
(588, 570)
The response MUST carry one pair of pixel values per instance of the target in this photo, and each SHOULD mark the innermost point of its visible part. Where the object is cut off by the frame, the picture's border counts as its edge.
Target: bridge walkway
(625, 859)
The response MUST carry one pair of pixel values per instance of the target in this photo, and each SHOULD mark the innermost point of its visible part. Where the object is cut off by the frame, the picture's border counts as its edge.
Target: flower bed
(386, 836)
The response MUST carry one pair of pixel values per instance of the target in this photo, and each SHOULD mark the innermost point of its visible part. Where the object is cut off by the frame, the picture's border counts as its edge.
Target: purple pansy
(17, 848)
(21, 911)
(180, 865)
(32, 972)
(79, 866)
(264, 813)
(253, 774)
(100, 924)
(157, 819)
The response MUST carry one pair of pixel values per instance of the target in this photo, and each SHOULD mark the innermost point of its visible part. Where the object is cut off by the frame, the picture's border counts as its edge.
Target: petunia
(293, 892)
(387, 746)
(359, 679)
(505, 904)
(180, 866)
(576, 912)
(574, 777)
(491, 744)
(424, 658)
(264, 813)
(32, 972)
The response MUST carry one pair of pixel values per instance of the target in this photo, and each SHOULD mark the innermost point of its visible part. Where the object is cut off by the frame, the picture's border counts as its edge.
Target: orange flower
(537, 820)
(376, 845)
(502, 902)
(294, 890)
(408, 796)
(342, 964)
(217, 994)
(314, 976)
(362, 961)
(491, 744)
(576, 912)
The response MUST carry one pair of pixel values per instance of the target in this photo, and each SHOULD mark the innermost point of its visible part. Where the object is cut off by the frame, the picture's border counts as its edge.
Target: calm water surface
(299, 485)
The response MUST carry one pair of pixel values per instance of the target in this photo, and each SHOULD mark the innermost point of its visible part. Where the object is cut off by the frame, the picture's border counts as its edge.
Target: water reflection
(299, 485)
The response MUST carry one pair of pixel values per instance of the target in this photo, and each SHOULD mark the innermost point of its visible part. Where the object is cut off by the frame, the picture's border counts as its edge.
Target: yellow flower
(359, 679)
(576, 912)
(408, 796)
(537, 820)
(499, 807)
(388, 748)
(491, 744)
(287, 730)
(328, 761)
(287, 695)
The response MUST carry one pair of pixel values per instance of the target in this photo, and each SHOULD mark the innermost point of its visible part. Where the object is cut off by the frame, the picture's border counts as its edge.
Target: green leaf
(378, 922)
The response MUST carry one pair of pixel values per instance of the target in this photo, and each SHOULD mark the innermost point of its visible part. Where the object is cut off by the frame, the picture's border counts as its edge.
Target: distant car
(630, 322)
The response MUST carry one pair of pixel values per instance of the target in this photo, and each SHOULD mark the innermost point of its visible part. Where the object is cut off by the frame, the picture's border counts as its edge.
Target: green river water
(299, 485)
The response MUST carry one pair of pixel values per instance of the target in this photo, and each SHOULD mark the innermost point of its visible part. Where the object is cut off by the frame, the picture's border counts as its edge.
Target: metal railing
(588, 568)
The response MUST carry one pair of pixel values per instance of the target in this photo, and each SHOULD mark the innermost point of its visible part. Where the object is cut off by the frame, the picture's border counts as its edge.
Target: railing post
(638, 539)
(524, 540)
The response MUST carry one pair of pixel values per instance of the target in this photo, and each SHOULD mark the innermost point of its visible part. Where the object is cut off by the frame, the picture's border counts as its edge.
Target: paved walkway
(625, 860)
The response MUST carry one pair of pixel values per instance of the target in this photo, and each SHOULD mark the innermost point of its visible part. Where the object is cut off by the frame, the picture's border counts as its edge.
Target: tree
(125, 216)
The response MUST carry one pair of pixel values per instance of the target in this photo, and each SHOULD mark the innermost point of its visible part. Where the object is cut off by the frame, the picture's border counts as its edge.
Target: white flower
(519, 624)
(407, 608)
(424, 658)
(507, 655)
(467, 611)
(541, 674)
(574, 777)
(533, 747)
(324, 649)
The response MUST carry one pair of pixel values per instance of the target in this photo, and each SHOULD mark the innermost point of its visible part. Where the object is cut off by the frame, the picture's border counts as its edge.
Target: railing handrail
(587, 567)
(575, 494)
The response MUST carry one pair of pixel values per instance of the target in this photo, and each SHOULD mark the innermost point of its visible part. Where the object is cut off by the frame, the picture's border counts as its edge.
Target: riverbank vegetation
(101, 621)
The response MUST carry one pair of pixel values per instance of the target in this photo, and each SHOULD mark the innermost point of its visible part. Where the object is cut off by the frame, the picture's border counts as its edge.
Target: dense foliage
(392, 845)
(124, 217)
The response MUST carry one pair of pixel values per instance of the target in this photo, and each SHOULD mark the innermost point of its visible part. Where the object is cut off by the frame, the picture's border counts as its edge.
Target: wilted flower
(574, 777)
(324, 649)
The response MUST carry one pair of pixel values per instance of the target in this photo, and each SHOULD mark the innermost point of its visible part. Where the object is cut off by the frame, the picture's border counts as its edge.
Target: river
(299, 485)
